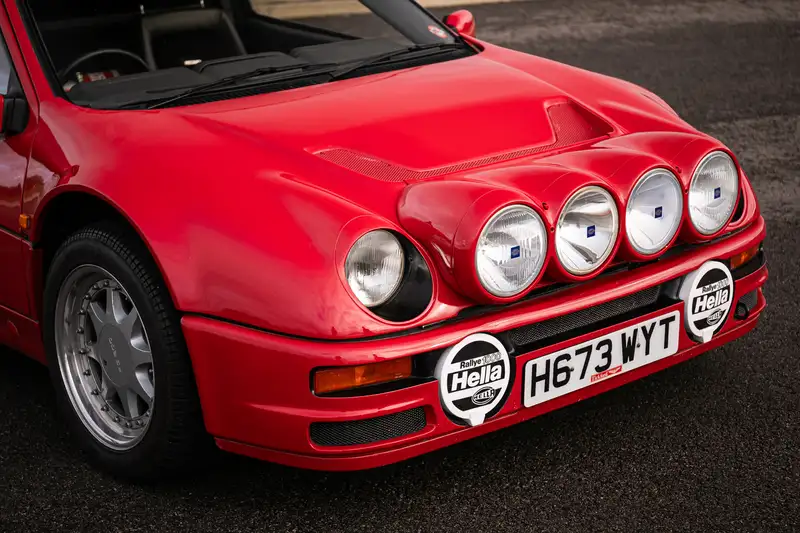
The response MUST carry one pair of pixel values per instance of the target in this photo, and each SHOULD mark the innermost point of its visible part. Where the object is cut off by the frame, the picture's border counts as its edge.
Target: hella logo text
(468, 379)
(710, 301)
(483, 396)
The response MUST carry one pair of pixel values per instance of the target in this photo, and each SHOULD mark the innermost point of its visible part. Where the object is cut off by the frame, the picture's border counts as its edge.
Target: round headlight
(654, 212)
(374, 267)
(511, 251)
(713, 193)
(587, 230)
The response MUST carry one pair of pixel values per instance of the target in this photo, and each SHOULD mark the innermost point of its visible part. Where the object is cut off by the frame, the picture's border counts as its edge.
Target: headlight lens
(713, 193)
(654, 212)
(587, 230)
(374, 267)
(511, 251)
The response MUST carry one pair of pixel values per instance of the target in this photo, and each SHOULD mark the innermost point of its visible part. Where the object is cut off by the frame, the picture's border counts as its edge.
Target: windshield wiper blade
(302, 71)
(421, 49)
(418, 50)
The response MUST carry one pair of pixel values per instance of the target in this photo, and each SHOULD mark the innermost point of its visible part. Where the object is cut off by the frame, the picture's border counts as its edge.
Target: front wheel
(117, 358)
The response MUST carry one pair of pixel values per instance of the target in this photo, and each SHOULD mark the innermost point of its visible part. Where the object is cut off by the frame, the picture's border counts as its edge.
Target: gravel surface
(711, 444)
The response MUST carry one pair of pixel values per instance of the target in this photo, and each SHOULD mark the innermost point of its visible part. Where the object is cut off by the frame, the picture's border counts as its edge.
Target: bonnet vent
(572, 125)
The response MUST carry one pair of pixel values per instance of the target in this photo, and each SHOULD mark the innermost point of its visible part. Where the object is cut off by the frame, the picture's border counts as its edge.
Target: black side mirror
(14, 114)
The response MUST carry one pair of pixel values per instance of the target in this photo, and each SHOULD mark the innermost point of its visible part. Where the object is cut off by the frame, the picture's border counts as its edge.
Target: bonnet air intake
(572, 125)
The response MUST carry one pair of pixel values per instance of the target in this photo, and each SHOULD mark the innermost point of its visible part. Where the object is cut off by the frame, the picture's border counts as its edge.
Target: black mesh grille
(369, 430)
(586, 317)
(749, 300)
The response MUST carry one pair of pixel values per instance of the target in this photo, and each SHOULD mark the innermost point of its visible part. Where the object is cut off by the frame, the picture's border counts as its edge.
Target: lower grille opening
(548, 331)
(370, 430)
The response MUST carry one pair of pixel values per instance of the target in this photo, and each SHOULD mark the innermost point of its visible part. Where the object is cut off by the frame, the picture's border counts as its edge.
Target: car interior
(95, 40)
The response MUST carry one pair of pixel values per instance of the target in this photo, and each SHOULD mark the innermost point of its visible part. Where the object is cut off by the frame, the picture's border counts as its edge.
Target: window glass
(5, 68)
(349, 17)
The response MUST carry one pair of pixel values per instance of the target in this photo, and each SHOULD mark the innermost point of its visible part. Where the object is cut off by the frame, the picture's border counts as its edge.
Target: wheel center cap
(114, 352)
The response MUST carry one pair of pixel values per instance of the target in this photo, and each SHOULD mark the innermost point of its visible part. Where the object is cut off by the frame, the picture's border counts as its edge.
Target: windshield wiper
(296, 71)
(288, 72)
(418, 50)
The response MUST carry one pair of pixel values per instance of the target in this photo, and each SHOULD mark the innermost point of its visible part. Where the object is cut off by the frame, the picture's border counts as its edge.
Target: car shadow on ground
(649, 444)
(25, 391)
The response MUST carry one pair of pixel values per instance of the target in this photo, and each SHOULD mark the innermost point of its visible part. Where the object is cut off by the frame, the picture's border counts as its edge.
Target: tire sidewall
(88, 251)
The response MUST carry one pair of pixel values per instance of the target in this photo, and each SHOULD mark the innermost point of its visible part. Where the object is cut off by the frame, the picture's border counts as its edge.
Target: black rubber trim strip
(315, 339)
(7, 231)
(485, 309)
(40, 49)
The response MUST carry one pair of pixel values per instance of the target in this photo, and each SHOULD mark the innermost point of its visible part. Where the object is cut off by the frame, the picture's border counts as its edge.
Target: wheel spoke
(114, 307)
(91, 354)
(142, 386)
(98, 316)
(107, 389)
(128, 322)
(140, 352)
(130, 403)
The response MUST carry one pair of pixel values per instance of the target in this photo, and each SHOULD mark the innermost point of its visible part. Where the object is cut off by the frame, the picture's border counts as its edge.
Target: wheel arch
(66, 210)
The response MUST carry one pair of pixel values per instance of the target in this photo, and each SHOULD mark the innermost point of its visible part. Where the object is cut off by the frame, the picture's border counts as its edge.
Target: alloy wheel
(104, 357)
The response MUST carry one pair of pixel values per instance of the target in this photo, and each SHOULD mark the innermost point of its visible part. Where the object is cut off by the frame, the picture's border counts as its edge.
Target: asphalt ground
(711, 444)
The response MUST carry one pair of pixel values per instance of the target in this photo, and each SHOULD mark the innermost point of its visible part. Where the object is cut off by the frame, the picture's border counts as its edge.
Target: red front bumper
(255, 386)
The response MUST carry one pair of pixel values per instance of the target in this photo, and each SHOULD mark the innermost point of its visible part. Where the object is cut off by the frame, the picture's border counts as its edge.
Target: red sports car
(339, 248)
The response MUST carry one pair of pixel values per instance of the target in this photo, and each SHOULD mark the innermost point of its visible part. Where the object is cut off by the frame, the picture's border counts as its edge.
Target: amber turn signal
(743, 257)
(351, 377)
(25, 222)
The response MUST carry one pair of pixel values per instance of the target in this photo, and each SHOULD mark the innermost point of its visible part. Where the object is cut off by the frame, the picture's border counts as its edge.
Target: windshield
(135, 53)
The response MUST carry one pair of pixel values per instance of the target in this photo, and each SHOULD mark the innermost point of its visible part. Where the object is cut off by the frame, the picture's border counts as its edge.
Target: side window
(5, 68)
(16, 111)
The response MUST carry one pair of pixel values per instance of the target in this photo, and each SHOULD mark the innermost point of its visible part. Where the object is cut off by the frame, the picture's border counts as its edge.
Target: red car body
(249, 207)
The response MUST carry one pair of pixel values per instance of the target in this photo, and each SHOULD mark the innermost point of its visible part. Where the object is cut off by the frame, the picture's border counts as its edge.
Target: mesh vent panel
(370, 430)
(749, 300)
(586, 317)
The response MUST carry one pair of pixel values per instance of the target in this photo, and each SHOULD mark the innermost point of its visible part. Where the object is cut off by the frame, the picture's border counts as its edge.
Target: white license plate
(599, 359)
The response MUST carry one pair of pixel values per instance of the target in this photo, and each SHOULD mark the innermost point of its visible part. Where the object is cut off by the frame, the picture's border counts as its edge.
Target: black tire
(176, 434)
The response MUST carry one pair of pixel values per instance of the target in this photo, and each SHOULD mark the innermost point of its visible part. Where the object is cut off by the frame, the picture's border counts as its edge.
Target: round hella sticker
(708, 295)
(474, 376)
